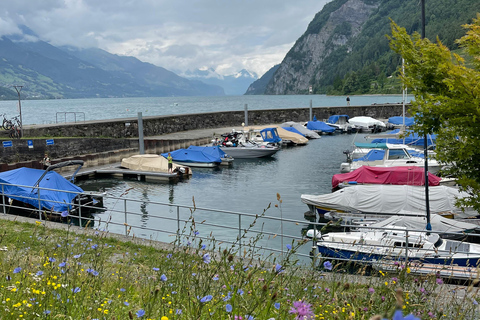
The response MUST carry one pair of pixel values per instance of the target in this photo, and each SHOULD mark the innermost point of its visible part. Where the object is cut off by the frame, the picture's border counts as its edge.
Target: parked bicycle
(12, 126)
(6, 124)
(14, 133)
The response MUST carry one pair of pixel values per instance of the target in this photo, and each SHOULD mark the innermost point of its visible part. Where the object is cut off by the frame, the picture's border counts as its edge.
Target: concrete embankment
(108, 141)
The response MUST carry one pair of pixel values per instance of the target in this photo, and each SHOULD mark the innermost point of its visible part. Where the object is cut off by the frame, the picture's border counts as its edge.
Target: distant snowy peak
(234, 84)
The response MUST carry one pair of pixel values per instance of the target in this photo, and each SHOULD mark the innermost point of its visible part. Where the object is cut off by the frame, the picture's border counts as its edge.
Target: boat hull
(250, 153)
(198, 164)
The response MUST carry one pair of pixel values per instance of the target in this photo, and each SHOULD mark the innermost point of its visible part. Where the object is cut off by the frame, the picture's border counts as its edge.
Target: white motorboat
(393, 244)
(384, 201)
(367, 124)
(341, 124)
(234, 144)
(387, 155)
(310, 134)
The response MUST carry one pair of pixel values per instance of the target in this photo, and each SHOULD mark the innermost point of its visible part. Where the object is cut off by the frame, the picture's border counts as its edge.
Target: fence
(69, 113)
(380, 247)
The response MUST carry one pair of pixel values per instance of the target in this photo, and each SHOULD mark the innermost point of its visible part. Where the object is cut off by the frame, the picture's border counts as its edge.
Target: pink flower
(302, 310)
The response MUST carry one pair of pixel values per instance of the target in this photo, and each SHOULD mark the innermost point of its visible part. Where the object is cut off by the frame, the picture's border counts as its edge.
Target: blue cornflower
(204, 246)
(17, 270)
(277, 305)
(215, 278)
(95, 273)
(178, 311)
(63, 264)
(240, 291)
(206, 299)
(47, 312)
(196, 233)
(278, 268)
(228, 308)
(52, 259)
(95, 246)
(39, 273)
(163, 277)
(289, 246)
(77, 256)
(76, 290)
(206, 258)
(399, 316)
(126, 303)
(156, 269)
(64, 214)
(122, 289)
(327, 265)
(140, 313)
(169, 256)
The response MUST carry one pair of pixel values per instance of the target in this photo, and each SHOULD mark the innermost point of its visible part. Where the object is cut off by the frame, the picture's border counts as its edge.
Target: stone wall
(158, 125)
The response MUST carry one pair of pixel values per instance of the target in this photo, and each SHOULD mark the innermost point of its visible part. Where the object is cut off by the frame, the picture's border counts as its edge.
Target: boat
(383, 201)
(319, 127)
(194, 158)
(386, 155)
(235, 145)
(28, 191)
(215, 151)
(309, 134)
(367, 124)
(393, 244)
(263, 136)
(153, 163)
(399, 121)
(409, 175)
(290, 137)
(408, 138)
(341, 124)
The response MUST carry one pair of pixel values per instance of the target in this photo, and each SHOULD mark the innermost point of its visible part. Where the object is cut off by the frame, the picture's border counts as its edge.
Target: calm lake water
(249, 186)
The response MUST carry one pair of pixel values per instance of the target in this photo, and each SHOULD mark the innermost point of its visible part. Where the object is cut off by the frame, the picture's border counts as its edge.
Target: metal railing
(161, 221)
(65, 116)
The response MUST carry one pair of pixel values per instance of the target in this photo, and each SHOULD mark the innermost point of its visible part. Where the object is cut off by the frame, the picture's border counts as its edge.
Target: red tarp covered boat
(414, 176)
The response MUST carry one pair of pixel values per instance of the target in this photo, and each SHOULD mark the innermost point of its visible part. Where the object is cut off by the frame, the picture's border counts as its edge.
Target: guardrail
(65, 116)
(271, 235)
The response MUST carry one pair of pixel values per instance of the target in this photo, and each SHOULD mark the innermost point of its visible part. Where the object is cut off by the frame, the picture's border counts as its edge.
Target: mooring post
(141, 143)
(246, 115)
(311, 111)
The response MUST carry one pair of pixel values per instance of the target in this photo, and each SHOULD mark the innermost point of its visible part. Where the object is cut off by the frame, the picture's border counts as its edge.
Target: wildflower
(63, 264)
(156, 269)
(327, 265)
(215, 278)
(371, 290)
(240, 291)
(140, 313)
(163, 277)
(278, 268)
(122, 289)
(277, 305)
(64, 214)
(52, 259)
(178, 311)
(204, 246)
(289, 246)
(17, 270)
(163, 318)
(169, 256)
(76, 290)
(39, 273)
(439, 281)
(228, 308)
(196, 233)
(302, 310)
(47, 312)
(126, 303)
(77, 256)
(206, 258)
(206, 299)
(399, 316)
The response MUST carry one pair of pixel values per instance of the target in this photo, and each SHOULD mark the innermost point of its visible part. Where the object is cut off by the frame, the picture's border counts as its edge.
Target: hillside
(345, 50)
(48, 72)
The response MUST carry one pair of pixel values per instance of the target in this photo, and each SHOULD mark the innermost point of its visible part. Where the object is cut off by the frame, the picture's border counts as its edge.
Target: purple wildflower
(439, 281)
(206, 299)
(140, 313)
(155, 269)
(327, 265)
(206, 258)
(371, 290)
(399, 316)
(64, 214)
(302, 310)
(17, 270)
(163, 277)
(289, 247)
(228, 308)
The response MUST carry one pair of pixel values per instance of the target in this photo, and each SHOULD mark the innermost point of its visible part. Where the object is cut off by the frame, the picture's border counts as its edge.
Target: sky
(179, 35)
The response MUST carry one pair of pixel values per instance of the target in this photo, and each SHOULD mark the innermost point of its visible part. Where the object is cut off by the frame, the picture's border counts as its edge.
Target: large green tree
(446, 87)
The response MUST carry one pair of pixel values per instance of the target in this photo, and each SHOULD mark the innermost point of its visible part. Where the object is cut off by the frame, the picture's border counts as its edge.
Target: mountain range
(345, 48)
(235, 84)
(49, 72)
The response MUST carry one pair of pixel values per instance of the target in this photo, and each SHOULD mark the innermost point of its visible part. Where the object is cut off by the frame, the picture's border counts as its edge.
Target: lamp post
(19, 88)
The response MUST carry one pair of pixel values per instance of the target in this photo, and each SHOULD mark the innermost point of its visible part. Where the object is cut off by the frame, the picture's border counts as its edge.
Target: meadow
(80, 273)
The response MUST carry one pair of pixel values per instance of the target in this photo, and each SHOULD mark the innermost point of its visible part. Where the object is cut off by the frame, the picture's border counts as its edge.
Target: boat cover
(292, 136)
(147, 162)
(387, 175)
(399, 121)
(366, 122)
(211, 150)
(320, 126)
(391, 199)
(335, 118)
(270, 135)
(410, 139)
(372, 155)
(304, 131)
(437, 222)
(194, 156)
(58, 201)
(294, 130)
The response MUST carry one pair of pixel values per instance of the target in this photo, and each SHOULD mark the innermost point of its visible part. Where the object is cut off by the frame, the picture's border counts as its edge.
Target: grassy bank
(47, 273)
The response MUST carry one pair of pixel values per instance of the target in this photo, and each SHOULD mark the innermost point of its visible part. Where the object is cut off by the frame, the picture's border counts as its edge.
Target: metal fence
(270, 236)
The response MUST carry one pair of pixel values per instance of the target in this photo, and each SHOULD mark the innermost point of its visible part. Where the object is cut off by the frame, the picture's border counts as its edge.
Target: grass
(49, 273)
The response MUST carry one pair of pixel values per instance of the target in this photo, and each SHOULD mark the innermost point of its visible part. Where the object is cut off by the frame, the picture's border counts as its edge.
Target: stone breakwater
(107, 141)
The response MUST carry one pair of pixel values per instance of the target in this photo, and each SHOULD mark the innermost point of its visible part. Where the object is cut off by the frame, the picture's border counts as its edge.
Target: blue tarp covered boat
(399, 121)
(410, 139)
(195, 158)
(319, 126)
(57, 201)
(270, 135)
(336, 118)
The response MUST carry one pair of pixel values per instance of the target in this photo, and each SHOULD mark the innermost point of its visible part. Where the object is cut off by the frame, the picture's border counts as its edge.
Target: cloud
(177, 35)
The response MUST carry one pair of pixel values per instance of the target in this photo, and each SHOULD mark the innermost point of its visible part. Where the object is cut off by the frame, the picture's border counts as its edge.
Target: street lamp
(19, 88)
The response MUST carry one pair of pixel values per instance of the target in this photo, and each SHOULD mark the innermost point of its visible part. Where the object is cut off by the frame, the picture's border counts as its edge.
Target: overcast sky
(227, 35)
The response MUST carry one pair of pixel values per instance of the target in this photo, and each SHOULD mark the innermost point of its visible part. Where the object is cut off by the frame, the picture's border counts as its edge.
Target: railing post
(125, 211)
(246, 114)
(240, 234)
(406, 244)
(39, 204)
(3, 200)
(80, 211)
(178, 221)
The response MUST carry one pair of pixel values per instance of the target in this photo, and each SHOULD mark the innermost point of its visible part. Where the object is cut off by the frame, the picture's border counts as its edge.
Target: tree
(447, 100)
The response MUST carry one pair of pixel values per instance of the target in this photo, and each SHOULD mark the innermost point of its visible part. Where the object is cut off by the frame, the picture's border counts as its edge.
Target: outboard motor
(349, 155)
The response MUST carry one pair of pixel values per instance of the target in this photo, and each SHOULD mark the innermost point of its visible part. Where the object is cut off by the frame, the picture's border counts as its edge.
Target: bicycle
(14, 133)
(6, 124)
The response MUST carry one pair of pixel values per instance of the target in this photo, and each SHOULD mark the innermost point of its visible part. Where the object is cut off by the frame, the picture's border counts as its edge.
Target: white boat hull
(250, 152)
